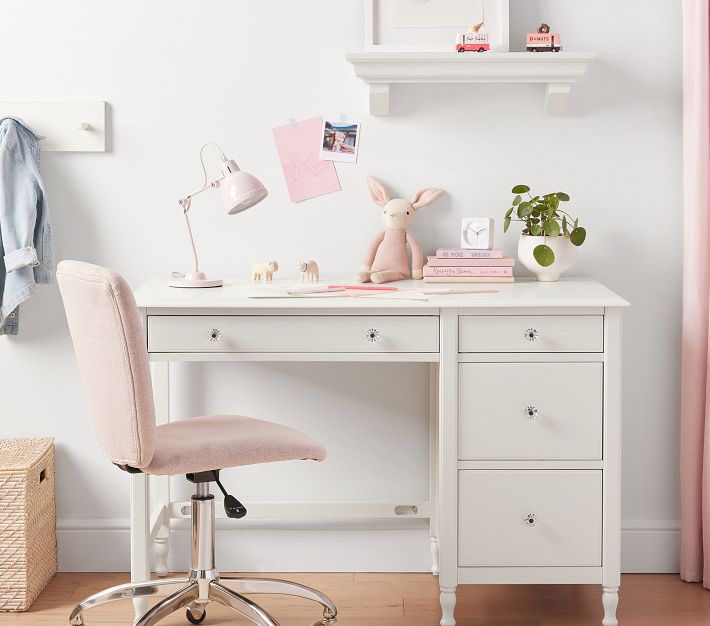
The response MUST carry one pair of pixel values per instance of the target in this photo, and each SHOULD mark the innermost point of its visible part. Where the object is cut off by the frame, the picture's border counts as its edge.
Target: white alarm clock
(477, 233)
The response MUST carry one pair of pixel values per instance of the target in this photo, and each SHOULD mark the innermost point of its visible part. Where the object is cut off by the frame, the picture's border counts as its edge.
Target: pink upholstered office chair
(113, 362)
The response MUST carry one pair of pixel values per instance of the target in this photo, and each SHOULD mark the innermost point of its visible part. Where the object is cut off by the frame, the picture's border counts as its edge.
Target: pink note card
(299, 145)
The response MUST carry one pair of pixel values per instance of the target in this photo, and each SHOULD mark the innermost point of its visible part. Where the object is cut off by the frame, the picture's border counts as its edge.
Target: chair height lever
(232, 507)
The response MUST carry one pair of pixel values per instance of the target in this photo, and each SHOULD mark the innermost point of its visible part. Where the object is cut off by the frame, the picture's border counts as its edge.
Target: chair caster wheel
(191, 616)
(328, 620)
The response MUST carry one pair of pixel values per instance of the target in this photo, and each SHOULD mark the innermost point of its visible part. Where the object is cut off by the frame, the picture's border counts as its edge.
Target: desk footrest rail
(319, 511)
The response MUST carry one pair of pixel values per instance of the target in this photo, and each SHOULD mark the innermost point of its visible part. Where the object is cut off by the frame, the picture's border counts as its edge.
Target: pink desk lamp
(240, 191)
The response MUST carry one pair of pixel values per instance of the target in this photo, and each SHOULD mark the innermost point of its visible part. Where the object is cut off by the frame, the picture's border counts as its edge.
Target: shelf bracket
(379, 99)
(557, 97)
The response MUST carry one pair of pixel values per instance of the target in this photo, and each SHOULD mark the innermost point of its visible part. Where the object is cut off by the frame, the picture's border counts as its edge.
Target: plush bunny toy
(387, 257)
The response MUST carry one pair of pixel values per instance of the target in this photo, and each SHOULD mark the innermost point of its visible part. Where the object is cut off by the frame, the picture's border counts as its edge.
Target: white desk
(525, 408)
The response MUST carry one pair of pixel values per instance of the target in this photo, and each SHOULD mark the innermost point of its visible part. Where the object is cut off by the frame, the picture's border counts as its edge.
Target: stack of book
(469, 266)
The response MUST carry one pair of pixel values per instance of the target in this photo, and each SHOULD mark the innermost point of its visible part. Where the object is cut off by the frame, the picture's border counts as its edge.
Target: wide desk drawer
(521, 518)
(530, 411)
(293, 333)
(531, 333)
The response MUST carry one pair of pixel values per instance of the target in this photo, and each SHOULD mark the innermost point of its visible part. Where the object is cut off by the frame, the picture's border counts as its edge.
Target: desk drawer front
(530, 411)
(293, 333)
(496, 509)
(529, 333)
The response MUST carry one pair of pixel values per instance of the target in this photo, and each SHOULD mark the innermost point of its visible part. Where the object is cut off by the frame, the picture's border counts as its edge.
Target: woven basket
(28, 542)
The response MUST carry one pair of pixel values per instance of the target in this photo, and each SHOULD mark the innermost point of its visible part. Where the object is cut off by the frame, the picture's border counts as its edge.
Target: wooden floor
(408, 599)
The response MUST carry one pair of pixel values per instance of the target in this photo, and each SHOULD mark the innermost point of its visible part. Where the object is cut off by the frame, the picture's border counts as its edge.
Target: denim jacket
(25, 234)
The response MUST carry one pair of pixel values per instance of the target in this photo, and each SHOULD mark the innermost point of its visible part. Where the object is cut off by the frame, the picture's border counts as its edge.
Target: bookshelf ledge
(558, 71)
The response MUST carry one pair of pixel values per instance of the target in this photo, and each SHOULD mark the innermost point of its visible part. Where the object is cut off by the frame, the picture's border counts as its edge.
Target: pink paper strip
(298, 145)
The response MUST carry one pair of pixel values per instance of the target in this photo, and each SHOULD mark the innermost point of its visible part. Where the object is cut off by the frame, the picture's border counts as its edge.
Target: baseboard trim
(650, 546)
(91, 545)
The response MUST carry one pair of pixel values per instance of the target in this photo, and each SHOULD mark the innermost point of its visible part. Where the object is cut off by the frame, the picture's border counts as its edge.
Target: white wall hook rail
(59, 121)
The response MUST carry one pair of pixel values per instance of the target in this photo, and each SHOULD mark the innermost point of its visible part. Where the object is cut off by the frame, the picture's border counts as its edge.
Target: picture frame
(381, 36)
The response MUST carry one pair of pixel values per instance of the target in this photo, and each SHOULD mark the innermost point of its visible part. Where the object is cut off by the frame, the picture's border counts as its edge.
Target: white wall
(178, 73)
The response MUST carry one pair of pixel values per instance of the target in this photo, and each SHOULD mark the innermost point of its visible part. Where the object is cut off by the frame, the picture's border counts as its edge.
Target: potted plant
(550, 237)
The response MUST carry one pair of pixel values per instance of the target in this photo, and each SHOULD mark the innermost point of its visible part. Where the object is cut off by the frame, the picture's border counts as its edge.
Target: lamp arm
(186, 201)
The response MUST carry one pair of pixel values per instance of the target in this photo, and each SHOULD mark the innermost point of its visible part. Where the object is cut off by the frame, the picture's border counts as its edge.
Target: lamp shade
(240, 190)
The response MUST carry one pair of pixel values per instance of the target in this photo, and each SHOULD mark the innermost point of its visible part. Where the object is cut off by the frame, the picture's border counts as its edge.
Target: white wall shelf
(557, 71)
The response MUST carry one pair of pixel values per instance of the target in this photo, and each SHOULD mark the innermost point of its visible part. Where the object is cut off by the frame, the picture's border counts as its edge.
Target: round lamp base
(194, 280)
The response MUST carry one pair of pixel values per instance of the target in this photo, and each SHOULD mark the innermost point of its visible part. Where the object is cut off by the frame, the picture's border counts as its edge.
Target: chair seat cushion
(218, 441)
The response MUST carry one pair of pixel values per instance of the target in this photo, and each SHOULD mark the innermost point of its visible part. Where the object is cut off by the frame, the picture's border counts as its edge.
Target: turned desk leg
(610, 600)
(448, 603)
(434, 465)
(140, 535)
(160, 371)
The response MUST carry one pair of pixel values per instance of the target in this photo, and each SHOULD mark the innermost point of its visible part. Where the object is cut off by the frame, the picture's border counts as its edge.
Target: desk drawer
(530, 333)
(293, 333)
(495, 509)
(530, 410)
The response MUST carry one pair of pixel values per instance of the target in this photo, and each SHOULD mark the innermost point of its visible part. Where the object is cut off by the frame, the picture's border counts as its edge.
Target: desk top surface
(571, 292)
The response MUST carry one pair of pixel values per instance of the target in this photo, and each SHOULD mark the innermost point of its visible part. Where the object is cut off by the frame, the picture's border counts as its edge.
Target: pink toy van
(472, 42)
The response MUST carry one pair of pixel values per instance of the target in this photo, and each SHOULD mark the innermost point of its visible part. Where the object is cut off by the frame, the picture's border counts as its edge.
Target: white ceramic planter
(565, 256)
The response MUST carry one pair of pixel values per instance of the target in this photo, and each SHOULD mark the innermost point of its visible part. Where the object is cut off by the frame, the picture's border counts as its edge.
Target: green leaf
(521, 189)
(506, 224)
(554, 202)
(544, 255)
(534, 220)
(561, 195)
(552, 227)
(525, 209)
(577, 236)
(517, 200)
(509, 212)
(535, 230)
(564, 225)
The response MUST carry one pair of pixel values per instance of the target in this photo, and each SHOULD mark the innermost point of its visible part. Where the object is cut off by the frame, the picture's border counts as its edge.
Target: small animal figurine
(264, 269)
(387, 259)
(309, 271)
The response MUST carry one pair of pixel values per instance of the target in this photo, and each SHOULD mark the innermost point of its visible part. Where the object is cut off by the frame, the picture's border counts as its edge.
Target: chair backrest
(109, 342)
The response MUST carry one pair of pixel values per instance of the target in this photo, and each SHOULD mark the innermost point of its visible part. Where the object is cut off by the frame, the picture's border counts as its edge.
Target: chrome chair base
(204, 583)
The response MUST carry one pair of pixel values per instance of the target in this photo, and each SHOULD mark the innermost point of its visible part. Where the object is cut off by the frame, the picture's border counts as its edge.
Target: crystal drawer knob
(530, 520)
(530, 412)
(531, 334)
(372, 335)
(215, 335)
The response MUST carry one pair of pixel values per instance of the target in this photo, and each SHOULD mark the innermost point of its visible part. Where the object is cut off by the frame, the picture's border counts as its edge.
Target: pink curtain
(695, 405)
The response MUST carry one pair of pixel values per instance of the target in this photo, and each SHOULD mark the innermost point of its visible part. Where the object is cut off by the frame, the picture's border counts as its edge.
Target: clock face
(476, 233)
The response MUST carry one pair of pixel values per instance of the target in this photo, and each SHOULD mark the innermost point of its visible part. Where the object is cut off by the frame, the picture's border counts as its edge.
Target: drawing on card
(298, 145)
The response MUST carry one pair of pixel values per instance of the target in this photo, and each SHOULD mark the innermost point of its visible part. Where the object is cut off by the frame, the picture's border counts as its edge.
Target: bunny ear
(425, 197)
(378, 191)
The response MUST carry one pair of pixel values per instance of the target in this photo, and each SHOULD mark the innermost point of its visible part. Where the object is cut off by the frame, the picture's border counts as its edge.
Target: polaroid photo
(340, 141)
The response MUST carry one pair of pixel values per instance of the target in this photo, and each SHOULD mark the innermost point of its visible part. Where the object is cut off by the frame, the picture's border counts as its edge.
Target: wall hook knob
(83, 126)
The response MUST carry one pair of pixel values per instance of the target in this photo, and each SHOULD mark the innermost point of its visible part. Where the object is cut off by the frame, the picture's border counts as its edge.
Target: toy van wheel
(481, 49)
(460, 50)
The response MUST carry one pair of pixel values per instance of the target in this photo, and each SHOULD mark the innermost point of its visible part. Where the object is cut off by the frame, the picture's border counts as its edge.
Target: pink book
(467, 271)
(469, 279)
(459, 253)
(506, 261)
